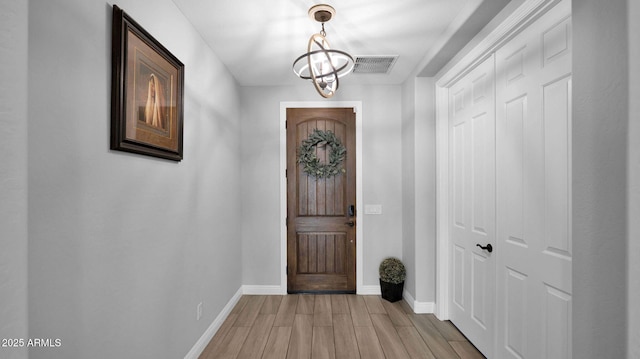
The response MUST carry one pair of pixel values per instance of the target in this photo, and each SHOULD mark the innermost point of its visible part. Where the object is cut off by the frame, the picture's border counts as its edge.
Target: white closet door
(533, 96)
(472, 165)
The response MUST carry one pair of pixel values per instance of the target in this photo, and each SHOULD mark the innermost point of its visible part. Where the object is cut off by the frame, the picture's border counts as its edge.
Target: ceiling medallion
(321, 64)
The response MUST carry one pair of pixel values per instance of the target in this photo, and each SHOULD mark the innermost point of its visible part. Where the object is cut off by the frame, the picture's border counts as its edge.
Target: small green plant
(392, 271)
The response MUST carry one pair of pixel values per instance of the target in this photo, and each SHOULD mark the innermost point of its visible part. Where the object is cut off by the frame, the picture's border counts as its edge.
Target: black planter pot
(390, 291)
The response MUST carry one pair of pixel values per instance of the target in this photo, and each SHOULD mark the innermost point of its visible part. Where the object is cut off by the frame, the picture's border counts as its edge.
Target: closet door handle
(488, 247)
(350, 223)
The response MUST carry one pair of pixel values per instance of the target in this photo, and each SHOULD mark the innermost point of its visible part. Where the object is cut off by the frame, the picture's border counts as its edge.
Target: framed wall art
(147, 89)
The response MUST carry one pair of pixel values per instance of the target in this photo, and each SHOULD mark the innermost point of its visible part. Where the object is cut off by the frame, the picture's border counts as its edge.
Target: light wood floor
(334, 326)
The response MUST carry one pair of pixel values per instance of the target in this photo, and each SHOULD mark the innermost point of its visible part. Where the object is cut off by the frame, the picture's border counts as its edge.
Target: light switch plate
(372, 209)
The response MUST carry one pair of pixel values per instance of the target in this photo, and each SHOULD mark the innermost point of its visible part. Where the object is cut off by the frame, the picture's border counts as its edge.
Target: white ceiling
(258, 40)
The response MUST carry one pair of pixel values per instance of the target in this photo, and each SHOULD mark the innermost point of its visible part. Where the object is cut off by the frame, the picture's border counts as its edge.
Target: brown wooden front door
(321, 223)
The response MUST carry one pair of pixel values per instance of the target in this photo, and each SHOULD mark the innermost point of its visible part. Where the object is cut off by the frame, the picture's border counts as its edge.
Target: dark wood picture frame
(147, 89)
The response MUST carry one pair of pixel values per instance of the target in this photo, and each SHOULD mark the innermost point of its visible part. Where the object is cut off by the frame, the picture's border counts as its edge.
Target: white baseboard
(418, 307)
(201, 344)
(263, 290)
(424, 307)
(369, 290)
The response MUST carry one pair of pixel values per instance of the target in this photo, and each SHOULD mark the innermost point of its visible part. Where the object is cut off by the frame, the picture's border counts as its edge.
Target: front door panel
(321, 228)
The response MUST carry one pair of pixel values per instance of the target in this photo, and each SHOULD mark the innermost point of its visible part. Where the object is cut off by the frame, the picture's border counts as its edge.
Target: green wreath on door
(311, 164)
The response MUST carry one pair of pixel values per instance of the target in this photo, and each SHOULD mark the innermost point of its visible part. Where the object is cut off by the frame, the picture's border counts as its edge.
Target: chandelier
(321, 64)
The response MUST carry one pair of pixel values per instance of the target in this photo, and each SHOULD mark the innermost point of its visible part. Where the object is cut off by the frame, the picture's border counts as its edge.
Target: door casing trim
(357, 106)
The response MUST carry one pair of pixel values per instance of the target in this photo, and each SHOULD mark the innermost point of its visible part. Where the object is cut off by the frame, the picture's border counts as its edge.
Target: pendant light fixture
(322, 65)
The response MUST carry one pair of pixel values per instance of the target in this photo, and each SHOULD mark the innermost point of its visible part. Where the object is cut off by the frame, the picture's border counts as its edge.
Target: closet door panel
(533, 127)
(472, 183)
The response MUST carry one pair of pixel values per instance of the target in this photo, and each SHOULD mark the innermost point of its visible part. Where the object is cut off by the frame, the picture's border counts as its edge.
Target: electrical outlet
(199, 311)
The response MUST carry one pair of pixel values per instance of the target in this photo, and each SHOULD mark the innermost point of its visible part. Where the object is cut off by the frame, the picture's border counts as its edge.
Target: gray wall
(409, 183)
(633, 181)
(418, 187)
(600, 125)
(123, 247)
(13, 175)
(381, 164)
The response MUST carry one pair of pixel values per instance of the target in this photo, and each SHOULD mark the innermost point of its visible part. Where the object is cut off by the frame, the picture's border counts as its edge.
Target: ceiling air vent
(374, 64)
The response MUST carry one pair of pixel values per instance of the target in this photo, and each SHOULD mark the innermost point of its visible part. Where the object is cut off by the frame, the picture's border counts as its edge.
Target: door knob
(488, 247)
(350, 223)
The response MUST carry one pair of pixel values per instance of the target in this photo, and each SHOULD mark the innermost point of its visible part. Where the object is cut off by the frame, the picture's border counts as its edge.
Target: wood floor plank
(286, 311)
(446, 328)
(345, 337)
(466, 350)
(250, 311)
(240, 305)
(413, 343)
(323, 346)
(339, 304)
(406, 307)
(277, 343)
(271, 304)
(374, 304)
(230, 345)
(397, 314)
(359, 312)
(368, 343)
(257, 338)
(322, 311)
(437, 343)
(301, 337)
(269, 326)
(305, 304)
(217, 339)
(388, 336)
